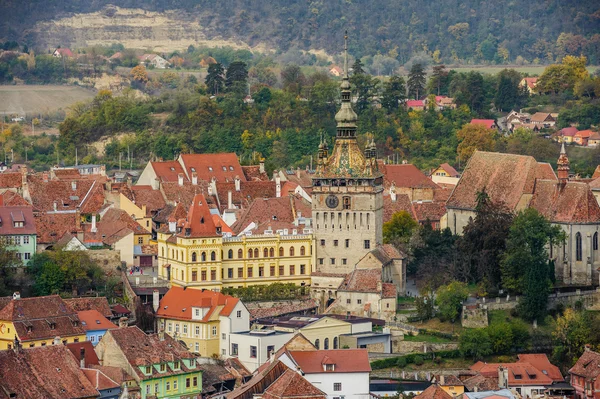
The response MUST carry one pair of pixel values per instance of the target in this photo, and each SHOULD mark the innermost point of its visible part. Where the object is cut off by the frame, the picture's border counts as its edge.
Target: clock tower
(347, 193)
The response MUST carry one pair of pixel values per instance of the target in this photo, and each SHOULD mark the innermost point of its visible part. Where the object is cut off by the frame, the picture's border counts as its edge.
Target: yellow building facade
(137, 213)
(234, 262)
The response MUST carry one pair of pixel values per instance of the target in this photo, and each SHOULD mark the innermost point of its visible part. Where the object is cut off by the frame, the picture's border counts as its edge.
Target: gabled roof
(92, 320)
(568, 131)
(117, 374)
(99, 304)
(145, 195)
(505, 178)
(85, 194)
(345, 360)
(178, 303)
(432, 211)
(521, 373)
(488, 123)
(588, 365)
(249, 191)
(406, 175)
(99, 380)
(168, 171)
(10, 180)
(433, 392)
(51, 227)
(584, 134)
(531, 82)
(263, 378)
(292, 385)
(10, 198)
(223, 166)
(64, 51)
(541, 362)
(43, 372)
(253, 173)
(89, 353)
(199, 221)
(9, 215)
(541, 117)
(570, 202)
(449, 169)
(276, 213)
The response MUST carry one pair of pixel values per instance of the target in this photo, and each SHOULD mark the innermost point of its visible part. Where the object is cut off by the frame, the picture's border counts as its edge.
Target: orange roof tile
(89, 353)
(345, 360)
(100, 381)
(540, 361)
(292, 385)
(92, 320)
(433, 392)
(223, 166)
(572, 202)
(521, 373)
(406, 175)
(177, 304)
(488, 123)
(94, 303)
(168, 171)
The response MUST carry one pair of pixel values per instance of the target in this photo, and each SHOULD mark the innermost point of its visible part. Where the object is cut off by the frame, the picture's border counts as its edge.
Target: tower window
(347, 243)
(346, 203)
(367, 244)
(578, 248)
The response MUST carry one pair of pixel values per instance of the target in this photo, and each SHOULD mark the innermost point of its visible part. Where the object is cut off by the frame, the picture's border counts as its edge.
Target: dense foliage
(470, 30)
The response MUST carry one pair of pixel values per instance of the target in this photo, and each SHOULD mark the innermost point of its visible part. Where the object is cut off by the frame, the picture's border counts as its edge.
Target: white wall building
(253, 348)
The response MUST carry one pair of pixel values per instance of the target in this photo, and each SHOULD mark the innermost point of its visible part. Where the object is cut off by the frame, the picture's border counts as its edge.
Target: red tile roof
(199, 221)
(489, 123)
(21, 214)
(406, 175)
(249, 191)
(449, 169)
(90, 354)
(51, 227)
(588, 365)
(292, 385)
(85, 194)
(432, 211)
(99, 380)
(145, 195)
(388, 290)
(92, 320)
(10, 198)
(345, 360)
(568, 131)
(572, 202)
(177, 304)
(174, 193)
(42, 317)
(253, 173)
(65, 52)
(223, 166)
(274, 213)
(363, 280)
(584, 134)
(415, 103)
(95, 303)
(117, 374)
(433, 392)
(168, 171)
(505, 178)
(531, 82)
(521, 373)
(43, 372)
(10, 180)
(540, 361)
(402, 203)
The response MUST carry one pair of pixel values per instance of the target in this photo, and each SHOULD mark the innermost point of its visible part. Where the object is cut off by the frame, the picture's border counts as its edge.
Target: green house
(17, 230)
(162, 367)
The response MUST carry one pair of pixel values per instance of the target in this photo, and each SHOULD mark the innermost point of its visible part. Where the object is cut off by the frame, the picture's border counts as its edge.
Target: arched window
(203, 257)
(317, 344)
(272, 252)
(281, 251)
(578, 249)
(265, 253)
(240, 253)
(194, 257)
(250, 253)
(230, 254)
(256, 252)
(302, 251)
(292, 251)
(213, 255)
(595, 241)
(335, 343)
(326, 344)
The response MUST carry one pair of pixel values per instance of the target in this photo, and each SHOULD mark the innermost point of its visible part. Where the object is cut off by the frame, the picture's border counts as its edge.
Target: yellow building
(202, 319)
(40, 321)
(139, 214)
(451, 384)
(199, 252)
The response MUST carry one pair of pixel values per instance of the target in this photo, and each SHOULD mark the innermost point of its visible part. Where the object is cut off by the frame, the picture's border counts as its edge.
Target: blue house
(94, 324)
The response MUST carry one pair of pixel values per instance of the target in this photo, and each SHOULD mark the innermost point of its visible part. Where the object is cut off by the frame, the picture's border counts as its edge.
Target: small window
(224, 168)
(347, 243)
(337, 386)
(234, 349)
(148, 370)
(176, 365)
(321, 261)
(326, 344)
(214, 331)
(280, 251)
(359, 301)
(163, 367)
(322, 243)
(292, 251)
(240, 253)
(367, 244)
(302, 269)
(230, 254)
(333, 261)
(335, 243)
(253, 352)
(302, 251)
(317, 343)
(344, 261)
(140, 240)
(348, 301)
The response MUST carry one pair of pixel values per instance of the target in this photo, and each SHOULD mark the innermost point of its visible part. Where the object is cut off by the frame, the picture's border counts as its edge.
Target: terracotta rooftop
(167, 171)
(433, 392)
(568, 131)
(13, 216)
(540, 361)
(253, 173)
(281, 308)
(174, 193)
(481, 383)
(414, 103)
(292, 385)
(505, 178)
(449, 169)
(266, 375)
(51, 227)
(345, 360)
(488, 123)
(273, 213)
(10, 180)
(99, 380)
(89, 355)
(223, 166)
(299, 176)
(91, 303)
(363, 280)
(520, 373)
(178, 303)
(571, 202)
(29, 374)
(141, 349)
(405, 175)
(402, 203)
(92, 320)
(42, 317)
(10, 198)
(541, 117)
(85, 194)
(145, 195)
(588, 365)
(117, 374)
(249, 191)
(432, 211)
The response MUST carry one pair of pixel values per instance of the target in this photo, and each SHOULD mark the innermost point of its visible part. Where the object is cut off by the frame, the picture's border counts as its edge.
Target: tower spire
(346, 55)
(563, 164)
(346, 117)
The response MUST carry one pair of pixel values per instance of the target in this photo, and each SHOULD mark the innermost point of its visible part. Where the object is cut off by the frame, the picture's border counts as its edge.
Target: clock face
(332, 201)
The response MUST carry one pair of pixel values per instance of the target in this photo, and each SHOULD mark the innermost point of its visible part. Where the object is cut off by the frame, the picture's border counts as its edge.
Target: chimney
(56, 341)
(74, 185)
(172, 226)
(393, 192)
(442, 380)
(16, 295)
(272, 356)
(180, 179)
(82, 357)
(213, 185)
(55, 206)
(123, 322)
(155, 300)
(237, 183)
(261, 165)
(77, 219)
(587, 347)
(45, 177)
(194, 178)
(94, 229)
(298, 172)
(17, 345)
(102, 170)
(277, 186)
(229, 200)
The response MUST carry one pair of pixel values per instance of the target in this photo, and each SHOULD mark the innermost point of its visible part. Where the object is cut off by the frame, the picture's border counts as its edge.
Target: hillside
(461, 30)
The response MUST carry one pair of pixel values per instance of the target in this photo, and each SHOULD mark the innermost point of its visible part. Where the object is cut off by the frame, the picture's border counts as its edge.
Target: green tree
(214, 79)
(416, 81)
(438, 83)
(525, 266)
(509, 95)
(571, 333)
(394, 91)
(449, 299)
(424, 304)
(433, 255)
(474, 137)
(399, 228)
(501, 338)
(293, 79)
(8, 264)
(236, 78)
(357, 67)
(365, 86)
(475, 343)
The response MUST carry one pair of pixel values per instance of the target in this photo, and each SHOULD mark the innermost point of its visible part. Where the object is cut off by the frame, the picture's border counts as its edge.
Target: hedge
(402, 361)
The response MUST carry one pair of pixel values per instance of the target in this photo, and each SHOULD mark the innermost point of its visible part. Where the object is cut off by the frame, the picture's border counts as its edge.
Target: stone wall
(107, 259)
(475, 317)
(406, 347)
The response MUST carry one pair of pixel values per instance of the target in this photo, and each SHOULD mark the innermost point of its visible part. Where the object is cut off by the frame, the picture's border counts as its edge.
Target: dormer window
(225, 168)
(18, 224)
(163, 367)
(210, 169)
(202, 220)
(148, 370)
(176, 365)
(329, 367)
(172, 168)
(218, 230)
(192, 363)
(29, 329)
(193, 169)
(231, 168)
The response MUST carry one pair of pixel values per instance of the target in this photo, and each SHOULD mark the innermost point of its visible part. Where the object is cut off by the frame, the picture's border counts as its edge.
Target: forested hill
(473, 30)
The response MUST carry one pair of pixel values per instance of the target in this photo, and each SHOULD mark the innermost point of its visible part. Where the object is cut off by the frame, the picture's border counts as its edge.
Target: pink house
(415, 104)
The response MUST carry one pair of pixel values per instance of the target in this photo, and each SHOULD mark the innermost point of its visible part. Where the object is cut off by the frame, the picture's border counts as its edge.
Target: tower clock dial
(332, 201)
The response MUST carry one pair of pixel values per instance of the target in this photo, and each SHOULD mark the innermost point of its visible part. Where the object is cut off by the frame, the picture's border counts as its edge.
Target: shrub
(401, 362)
(419, 360)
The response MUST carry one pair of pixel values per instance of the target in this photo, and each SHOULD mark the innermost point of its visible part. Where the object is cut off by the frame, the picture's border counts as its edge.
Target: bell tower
(347, 195)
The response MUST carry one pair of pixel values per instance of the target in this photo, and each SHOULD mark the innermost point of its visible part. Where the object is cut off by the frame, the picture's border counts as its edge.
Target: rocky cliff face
(134, 28)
